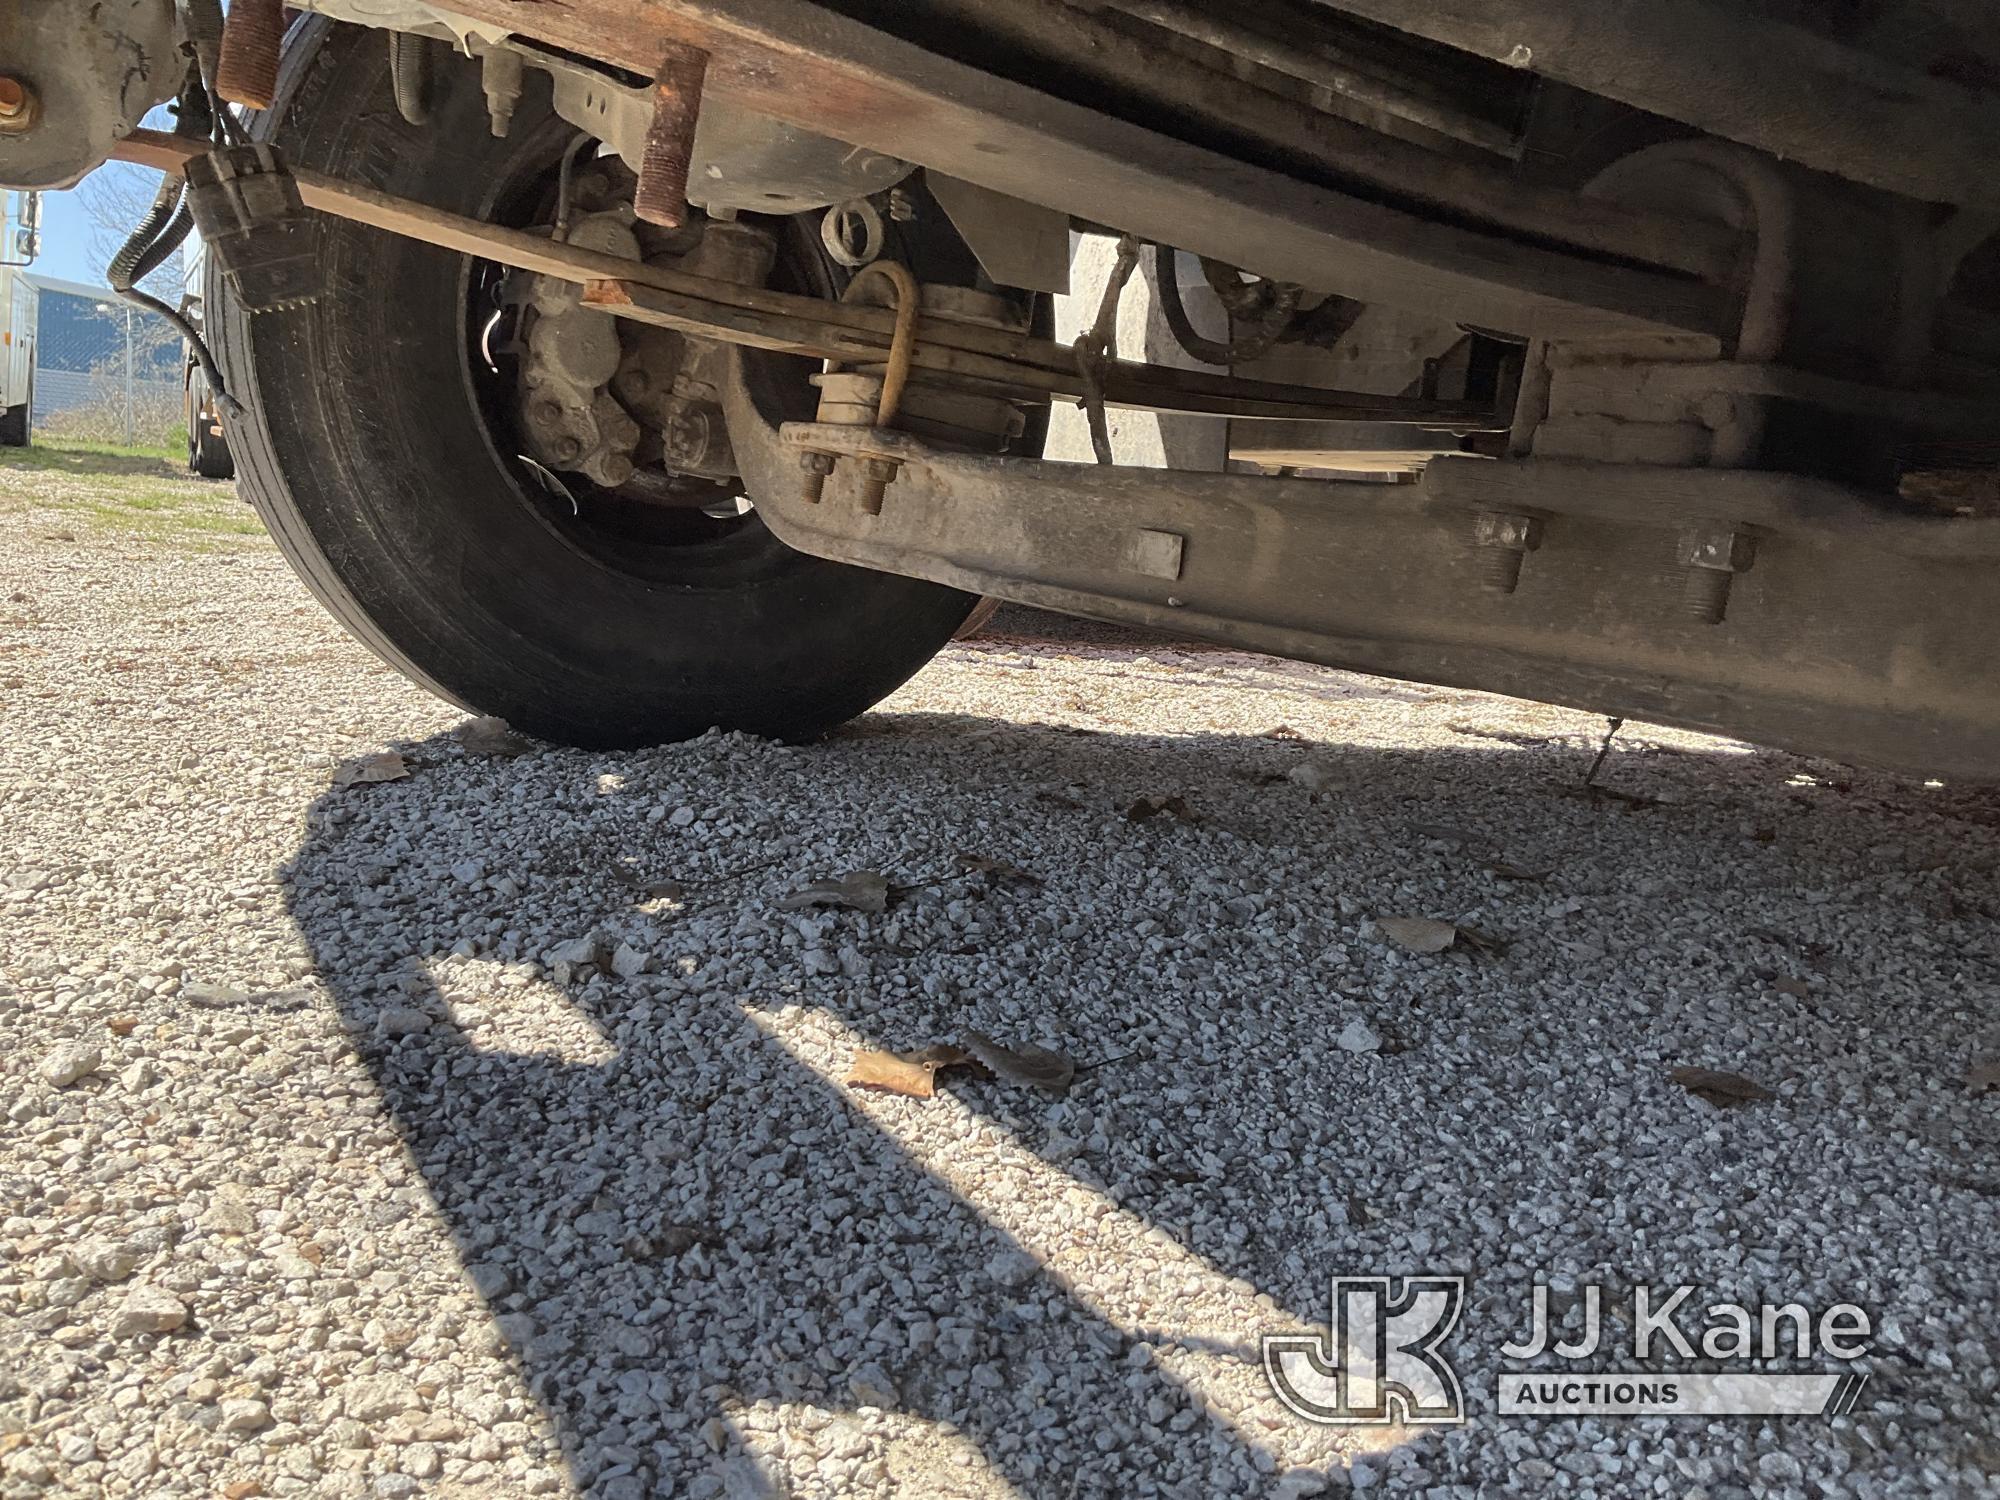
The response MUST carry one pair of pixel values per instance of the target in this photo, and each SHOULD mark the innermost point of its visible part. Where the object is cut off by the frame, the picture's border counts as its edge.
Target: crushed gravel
(483, 1132)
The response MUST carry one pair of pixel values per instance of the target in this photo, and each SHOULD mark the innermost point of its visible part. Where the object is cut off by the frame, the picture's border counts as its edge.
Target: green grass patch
(168, 523)
(80, 457)
(136, 492)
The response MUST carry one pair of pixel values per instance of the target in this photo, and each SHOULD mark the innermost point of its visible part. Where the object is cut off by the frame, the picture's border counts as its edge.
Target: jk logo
(1381, 1364)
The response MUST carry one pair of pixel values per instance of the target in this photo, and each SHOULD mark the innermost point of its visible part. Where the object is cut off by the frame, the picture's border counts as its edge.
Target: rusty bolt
(1500, 541)
(817, 466)
(1712, 557)
(247, 72)
(20, 106)
(663, 171)
(881, 473)
(566, 449)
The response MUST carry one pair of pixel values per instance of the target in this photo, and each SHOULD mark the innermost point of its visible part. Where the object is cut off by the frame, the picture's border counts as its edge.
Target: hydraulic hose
(410, 76)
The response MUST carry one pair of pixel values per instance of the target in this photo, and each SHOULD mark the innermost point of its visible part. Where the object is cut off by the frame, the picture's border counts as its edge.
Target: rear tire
(208, 450)
(14, 426)
(371, 457)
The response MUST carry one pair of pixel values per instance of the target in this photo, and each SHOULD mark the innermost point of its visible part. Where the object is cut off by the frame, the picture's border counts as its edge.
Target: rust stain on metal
(663, 173)
(809, 93)
(786, 81)
(247, 72)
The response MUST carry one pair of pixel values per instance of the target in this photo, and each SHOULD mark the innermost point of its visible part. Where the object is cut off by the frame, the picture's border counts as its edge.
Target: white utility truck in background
(20, 240)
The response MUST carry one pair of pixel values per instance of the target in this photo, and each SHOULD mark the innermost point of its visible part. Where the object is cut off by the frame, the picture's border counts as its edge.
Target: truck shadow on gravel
(723, 1272)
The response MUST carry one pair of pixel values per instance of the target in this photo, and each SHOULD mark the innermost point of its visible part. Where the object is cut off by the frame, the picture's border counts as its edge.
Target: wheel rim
(684, 546)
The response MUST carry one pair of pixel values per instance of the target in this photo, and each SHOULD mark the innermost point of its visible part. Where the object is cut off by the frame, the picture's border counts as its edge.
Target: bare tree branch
(115, 198)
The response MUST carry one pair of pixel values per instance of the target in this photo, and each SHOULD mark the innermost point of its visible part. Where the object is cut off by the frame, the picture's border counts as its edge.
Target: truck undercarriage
(626, 369)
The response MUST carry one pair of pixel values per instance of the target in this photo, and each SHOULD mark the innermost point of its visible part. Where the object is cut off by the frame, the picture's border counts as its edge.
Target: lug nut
(1500, 541)
(817, 466)
(20, 106)
(881, 474)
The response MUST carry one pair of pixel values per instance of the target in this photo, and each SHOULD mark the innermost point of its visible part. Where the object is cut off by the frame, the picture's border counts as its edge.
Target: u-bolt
(878, 473)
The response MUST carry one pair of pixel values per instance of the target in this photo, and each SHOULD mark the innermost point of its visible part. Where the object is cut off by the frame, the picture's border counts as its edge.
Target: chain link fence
(106, 370)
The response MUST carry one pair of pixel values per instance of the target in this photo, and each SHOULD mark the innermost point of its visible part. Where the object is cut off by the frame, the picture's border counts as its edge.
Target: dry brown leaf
(859, 890)
(911, 1074)
(1283, 732)
(1153, 806)
(385, 765)
(491, 736)
(1723, 1090)
(12, 1440)
(1031, 1067)
(892, 1075)
(1509, 871)
(1419, 934)
(997, 871)
(1983, 1075)
(121, 1025)
(242, 1489)
(1798, 989)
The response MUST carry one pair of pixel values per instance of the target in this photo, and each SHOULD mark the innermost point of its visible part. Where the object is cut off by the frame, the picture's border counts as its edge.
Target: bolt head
(687, 432)
(880, 469)
(1722, 549)
(816, 463)
(1492, 528)
(19, 105)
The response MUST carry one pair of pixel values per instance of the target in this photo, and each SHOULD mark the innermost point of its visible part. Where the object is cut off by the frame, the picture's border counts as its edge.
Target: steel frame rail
(812, 67)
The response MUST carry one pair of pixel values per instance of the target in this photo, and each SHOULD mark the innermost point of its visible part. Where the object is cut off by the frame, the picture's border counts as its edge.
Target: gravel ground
(484, 1131)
